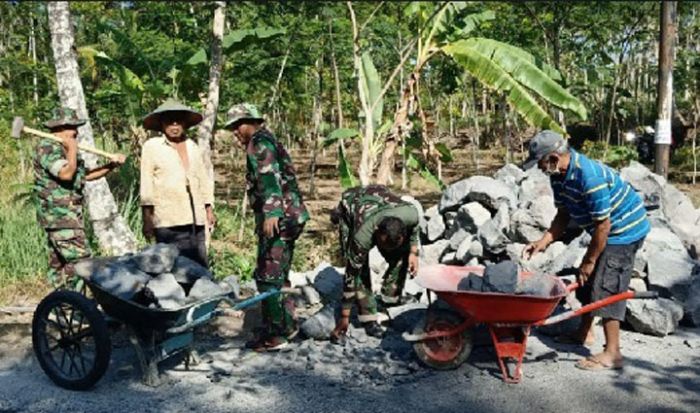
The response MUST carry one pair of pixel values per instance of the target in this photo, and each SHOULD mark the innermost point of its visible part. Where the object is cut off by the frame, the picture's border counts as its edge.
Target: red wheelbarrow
(443, 338)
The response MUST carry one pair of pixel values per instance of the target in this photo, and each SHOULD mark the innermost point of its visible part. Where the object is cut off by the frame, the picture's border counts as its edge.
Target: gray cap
(544, 143)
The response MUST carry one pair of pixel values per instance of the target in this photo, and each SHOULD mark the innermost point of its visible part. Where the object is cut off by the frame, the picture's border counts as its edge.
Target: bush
(618, 156)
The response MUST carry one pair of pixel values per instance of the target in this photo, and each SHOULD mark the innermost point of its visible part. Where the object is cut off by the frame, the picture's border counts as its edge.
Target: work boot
(374, 329)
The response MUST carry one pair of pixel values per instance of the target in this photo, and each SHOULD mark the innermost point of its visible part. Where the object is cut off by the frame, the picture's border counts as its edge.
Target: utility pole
(662, 137)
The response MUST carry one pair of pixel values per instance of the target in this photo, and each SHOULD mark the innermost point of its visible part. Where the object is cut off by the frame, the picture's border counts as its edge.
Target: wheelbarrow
(443, 338)
(71, 338)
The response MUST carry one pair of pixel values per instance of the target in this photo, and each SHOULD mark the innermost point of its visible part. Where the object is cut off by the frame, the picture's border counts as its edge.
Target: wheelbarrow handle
(627, 295)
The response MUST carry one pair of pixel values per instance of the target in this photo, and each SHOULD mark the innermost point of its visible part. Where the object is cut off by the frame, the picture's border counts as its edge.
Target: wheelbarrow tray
(145, 318)
(491, 308)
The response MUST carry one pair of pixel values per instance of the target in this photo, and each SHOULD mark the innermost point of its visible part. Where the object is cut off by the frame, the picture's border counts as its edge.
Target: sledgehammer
(18, 127)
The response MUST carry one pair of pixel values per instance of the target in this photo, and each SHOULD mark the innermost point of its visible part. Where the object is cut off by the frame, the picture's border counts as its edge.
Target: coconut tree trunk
(113, 234)
(206, 127)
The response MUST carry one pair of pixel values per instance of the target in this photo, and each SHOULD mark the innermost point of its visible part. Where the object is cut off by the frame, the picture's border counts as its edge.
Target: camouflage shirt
(360, 211)
(60, 203)
(271, 181)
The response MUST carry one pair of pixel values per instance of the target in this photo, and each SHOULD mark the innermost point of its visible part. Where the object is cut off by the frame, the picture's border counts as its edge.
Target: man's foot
(601, 361)
(263, 344)
(374, 329)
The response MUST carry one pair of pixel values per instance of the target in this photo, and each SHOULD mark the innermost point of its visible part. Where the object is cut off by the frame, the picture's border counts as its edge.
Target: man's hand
(271, 227)
(534, 248)
(211, 219)
(117, 159)
(585, 272)
(412, 264)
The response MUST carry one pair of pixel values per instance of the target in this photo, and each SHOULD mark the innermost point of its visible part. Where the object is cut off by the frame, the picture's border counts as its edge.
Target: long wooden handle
(59, 140)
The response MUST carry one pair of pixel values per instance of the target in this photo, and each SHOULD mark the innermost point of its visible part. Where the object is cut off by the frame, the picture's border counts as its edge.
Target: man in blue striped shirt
(599, 201)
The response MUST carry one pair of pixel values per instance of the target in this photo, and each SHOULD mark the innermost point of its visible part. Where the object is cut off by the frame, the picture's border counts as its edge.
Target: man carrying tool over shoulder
(280, 216)
(177, 195)
(599, 201)
(59, 181)
(369, 216)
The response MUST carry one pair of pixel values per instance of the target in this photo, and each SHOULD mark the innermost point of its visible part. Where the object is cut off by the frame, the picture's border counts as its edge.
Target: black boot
(374, 329)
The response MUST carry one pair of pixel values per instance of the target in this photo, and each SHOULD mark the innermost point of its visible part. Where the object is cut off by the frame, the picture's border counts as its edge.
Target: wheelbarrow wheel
(71, 340)
(442, 353)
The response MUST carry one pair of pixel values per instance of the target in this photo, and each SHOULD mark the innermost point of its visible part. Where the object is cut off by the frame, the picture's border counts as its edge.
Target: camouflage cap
(242, 111)
(188, 115)
(64, 117)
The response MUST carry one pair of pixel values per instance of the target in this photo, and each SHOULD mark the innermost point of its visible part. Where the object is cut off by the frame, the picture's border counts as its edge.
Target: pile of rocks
(157, 277)
(481, 220)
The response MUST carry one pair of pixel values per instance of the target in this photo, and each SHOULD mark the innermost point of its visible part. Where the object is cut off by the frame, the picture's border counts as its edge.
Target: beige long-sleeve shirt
(164, 183)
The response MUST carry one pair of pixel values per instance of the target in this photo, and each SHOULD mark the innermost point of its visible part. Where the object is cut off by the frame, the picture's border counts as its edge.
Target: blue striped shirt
(592, 191)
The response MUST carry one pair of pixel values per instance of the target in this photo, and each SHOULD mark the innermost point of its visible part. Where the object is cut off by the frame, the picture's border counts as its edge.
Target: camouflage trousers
(273, 264)
(66, 247)
(357, 288)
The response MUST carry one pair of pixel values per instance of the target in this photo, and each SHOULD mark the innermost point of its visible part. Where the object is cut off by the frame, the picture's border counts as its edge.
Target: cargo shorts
(612, 275)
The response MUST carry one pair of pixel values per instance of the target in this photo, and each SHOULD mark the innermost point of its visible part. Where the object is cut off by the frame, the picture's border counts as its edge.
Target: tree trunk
(336, 77)
(114, 235)
(206, 127)
(365, 169)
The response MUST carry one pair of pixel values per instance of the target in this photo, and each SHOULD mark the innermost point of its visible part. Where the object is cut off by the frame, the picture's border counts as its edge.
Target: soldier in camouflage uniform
(369, 216)
(59, 180)
(280, 215)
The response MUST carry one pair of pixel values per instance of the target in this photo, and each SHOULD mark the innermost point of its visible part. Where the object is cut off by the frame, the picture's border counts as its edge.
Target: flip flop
(593, 363)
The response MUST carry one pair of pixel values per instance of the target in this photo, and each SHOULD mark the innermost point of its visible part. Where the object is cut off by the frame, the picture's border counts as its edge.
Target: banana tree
(501, 67)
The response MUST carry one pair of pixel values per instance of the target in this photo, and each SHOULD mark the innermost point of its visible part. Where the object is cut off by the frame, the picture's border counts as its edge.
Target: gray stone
(458, 237)
(472, 216)
(449, 218)
(411, 287)
(320, 325)
(435, 228)
(463, 248)
(671, 272)
(510, 171)
(657, 317)
(249, 287)
(429, 214)
(691, 305)
(311, 296)
(187, 271)
(157, 259)
(542, 211)
(535, 185)
(431, 253)
(231, 285)
(638, 285)
(87, 267)
(514, 250)
(473, 262)
(642, 179)
(524, 228)
(121, 279)
(167, 291)
(328, 282)
(476, 250)
(450, 258)
(298, 279)
(493, 233)
(477, 188)
(204, 288)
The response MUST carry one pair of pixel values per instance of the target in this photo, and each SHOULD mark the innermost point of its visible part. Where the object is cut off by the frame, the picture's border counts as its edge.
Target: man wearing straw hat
(59, 181)
(176, 193)
(280, 215)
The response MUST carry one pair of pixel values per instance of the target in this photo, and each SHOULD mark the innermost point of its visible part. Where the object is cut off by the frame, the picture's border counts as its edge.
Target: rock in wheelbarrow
(157, 259)
(187, 271)
(204, 288)
(167, 291)
(120, 278)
